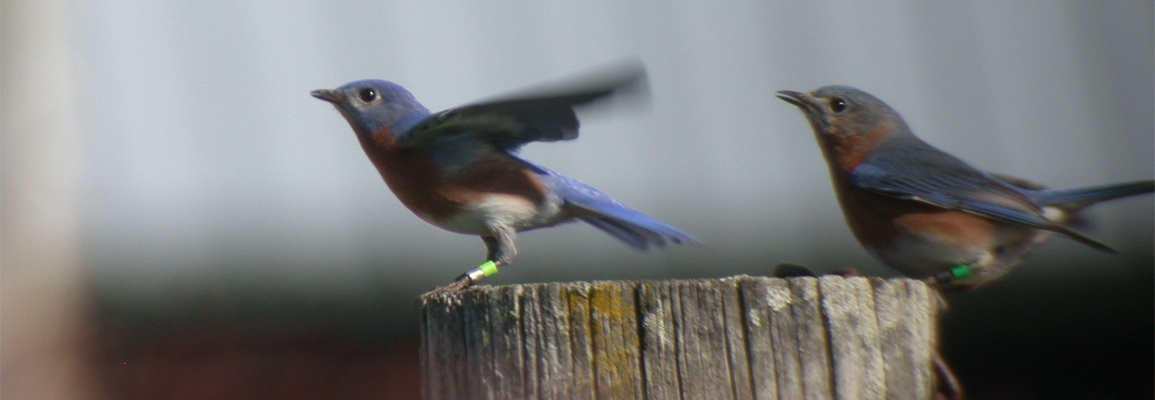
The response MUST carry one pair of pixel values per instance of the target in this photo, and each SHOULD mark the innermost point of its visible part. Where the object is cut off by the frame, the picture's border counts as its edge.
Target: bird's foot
(786, 270)
(443, 293)
(489, 268)
(951, 280)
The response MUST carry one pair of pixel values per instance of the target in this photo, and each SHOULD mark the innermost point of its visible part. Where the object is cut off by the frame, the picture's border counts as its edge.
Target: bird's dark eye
(837, 105)
(367, 94)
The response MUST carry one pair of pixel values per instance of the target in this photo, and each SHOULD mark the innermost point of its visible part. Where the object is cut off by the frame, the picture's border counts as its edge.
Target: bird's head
(843, 111)
(373, 105)
(848, 123)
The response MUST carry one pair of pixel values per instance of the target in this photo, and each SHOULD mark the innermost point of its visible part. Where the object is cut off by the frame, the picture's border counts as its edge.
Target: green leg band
(489, 268)
(960, 272)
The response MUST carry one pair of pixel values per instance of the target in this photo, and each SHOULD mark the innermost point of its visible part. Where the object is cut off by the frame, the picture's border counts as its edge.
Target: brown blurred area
(204, 364)
(251, 340)
(62, 338)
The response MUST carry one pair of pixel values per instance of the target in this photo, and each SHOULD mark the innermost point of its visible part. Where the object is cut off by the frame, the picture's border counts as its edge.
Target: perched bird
(458, 169)
(925, 213)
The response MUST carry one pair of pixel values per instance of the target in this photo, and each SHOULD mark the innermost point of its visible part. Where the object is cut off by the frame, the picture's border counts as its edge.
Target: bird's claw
(787, 270)
(461, 283)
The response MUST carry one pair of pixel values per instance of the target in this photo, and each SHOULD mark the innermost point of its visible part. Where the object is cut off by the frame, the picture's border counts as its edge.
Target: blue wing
(540, 115)
(633, 228)
(919, 172)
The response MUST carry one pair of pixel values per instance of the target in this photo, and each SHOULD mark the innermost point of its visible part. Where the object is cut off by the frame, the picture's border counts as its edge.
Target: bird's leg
(949, 386)
(501, 251)
(947, 280)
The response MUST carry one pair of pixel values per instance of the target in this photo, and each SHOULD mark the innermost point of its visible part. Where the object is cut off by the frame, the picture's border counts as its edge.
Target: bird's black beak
(331, 96)
(810, 106)
(802, 100)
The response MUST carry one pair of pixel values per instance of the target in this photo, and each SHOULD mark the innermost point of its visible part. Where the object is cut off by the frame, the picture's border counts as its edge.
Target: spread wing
(545, 114)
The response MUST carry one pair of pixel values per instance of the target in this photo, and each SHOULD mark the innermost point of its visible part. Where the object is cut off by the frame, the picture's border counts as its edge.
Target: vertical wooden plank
(548, 323)
(903, 321)
(702, 332)
(533, 350)
(658, 308)
(478, 380)
(735, 334)
(504, 310)
(759, 304)
(854, 343)
(617, 357)
(581, 330)
(813, 341)
(925, 306)
(439, 327)
(460, 381)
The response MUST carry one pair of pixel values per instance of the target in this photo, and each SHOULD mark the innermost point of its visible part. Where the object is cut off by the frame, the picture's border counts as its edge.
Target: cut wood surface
(733, 338)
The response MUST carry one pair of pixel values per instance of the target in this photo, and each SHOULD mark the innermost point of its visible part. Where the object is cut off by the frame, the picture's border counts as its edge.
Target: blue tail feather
(638, 239)
(1079, 198)
(633, 228)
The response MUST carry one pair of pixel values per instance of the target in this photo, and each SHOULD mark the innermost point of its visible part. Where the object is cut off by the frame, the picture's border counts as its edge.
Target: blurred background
(181, 220)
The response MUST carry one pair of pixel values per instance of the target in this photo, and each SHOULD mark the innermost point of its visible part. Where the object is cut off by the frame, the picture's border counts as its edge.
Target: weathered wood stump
(734, 338)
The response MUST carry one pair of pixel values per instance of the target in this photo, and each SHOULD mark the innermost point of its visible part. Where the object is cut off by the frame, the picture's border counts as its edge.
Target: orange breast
(427, 189)
(878, 220)
(850, 150)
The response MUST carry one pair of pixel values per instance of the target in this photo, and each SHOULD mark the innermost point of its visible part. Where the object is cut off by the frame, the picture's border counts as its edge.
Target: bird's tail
(633, 228)
(1073, 200)
(640, 232)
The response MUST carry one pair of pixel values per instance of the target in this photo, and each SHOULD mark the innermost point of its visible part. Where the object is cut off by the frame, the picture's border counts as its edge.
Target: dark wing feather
(543, 114)
(919, 172)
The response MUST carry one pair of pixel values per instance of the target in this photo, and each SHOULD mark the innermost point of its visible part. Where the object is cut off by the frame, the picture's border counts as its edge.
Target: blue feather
(633, 228)
(1078, 198)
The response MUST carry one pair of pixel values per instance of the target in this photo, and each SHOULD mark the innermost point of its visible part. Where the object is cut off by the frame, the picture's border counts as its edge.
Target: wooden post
(734, 338)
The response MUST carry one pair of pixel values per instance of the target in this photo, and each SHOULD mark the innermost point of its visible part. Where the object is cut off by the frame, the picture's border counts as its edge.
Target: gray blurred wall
(196, 166)
(202, 150)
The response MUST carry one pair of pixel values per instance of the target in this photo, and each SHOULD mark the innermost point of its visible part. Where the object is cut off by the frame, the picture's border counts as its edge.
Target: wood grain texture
(734, 338)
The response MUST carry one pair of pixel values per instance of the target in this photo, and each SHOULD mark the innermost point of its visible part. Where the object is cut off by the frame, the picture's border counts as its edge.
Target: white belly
(503, 209)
